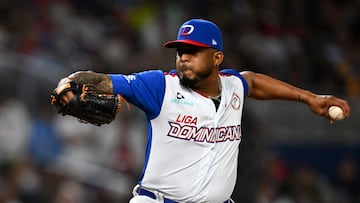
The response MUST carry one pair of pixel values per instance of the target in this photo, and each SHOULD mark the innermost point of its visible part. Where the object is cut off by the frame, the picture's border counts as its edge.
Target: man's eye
(190, 51)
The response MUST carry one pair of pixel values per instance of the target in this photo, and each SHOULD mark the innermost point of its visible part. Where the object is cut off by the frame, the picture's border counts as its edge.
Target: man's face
(194, 64)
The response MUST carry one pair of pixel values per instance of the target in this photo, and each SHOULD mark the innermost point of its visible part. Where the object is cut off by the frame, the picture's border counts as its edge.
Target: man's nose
(184, 57)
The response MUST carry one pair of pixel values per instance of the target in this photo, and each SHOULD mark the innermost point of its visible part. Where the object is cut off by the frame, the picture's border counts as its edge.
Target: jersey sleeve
(144, 89)
(243, 80)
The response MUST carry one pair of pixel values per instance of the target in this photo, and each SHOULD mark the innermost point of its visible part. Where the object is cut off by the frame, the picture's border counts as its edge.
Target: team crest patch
(235, 101)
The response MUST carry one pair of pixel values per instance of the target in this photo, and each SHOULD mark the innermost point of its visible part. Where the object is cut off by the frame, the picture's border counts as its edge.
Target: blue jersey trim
(147, 153)
(237, 74)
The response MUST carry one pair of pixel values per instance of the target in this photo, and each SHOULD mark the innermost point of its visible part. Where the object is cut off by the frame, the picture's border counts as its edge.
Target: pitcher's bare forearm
(264, 87)
(102, 82)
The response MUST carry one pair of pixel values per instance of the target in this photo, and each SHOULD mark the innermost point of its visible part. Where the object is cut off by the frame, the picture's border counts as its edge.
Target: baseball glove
(87, 105)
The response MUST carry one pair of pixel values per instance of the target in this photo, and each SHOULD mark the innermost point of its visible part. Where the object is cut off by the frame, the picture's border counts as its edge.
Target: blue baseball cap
(198, 32)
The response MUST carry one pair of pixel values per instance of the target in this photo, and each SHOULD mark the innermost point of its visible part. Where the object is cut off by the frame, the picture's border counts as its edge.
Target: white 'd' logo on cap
(187, 30)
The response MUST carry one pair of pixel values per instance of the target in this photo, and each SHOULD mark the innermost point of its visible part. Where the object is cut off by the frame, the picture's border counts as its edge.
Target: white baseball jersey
(192, 149)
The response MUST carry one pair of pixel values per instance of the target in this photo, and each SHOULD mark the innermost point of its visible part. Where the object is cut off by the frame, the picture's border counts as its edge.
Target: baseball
(336, 113)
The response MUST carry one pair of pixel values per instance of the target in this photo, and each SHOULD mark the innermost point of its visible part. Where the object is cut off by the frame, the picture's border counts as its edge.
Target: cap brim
(176, 43)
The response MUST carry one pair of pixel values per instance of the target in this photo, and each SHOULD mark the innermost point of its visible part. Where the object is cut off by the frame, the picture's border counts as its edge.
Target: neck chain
(216, 98)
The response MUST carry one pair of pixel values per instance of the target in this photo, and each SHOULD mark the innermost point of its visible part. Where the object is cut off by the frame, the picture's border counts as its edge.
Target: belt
(150, 194)
(142, 191)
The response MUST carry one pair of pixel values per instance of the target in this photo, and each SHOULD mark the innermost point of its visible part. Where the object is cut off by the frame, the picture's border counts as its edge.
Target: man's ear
(218, 58)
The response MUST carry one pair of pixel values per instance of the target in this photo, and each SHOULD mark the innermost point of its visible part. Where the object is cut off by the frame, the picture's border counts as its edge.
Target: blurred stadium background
(287, 155)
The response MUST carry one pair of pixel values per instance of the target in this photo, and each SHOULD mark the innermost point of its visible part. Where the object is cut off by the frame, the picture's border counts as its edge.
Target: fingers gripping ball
(86, 104)
(336, 113)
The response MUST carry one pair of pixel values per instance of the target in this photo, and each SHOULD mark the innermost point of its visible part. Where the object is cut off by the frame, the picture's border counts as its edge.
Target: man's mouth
(184, 69)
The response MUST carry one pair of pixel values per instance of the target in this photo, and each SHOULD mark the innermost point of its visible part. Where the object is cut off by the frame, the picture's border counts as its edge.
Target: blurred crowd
(305, 184)
(47, 158)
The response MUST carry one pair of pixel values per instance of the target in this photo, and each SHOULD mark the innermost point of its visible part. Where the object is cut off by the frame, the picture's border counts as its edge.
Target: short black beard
(187, 82)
